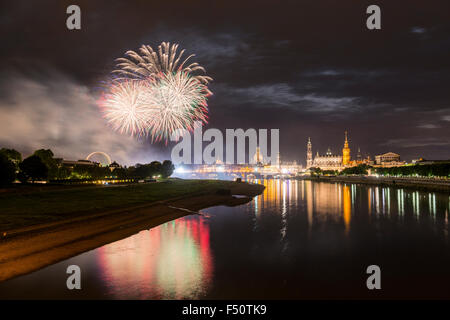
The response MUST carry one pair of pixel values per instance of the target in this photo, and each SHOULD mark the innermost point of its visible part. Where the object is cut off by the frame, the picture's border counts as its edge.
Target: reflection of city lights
(171, 261)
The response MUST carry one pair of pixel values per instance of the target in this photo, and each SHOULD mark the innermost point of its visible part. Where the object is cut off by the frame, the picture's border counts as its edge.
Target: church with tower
(329, 161)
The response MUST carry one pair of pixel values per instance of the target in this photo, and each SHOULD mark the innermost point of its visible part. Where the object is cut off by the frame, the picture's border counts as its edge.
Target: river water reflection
(299, 239)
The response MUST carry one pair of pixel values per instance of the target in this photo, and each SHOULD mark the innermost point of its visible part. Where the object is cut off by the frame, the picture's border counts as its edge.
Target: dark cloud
(417, 142)
(418, 30)
(308, 68)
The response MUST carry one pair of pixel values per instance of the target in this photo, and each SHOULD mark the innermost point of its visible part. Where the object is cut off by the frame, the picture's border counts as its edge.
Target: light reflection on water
(338, 201)
(298, 239)
(172, 261)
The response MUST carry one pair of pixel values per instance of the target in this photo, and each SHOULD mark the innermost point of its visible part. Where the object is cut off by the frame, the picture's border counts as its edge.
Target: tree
(11, 154)
(62, 173)
(167, 168)
(141, 171)
(360, 169)
(315, 171)
(33, 168)
(46, 156)
(120, 173)
(155, 168)
(7, 170)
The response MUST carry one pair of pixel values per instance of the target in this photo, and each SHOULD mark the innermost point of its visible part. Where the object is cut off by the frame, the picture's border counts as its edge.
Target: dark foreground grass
(19, 209)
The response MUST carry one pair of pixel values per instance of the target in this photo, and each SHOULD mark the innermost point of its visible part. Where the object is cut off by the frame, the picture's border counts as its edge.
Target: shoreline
(419, 184)
(31, 248)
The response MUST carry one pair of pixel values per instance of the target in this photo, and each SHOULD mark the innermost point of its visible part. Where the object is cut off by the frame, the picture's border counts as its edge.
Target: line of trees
(418, 170)
(361, 169)
(42, 165)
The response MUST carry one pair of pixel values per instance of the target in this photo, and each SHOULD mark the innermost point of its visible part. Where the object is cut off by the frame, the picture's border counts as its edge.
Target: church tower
(309, 159)
(257, 159)
(346, 152)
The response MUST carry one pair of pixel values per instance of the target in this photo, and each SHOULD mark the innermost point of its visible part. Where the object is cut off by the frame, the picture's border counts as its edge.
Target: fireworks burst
(177, 101)
(155, 94)
(150, 63)
(124, 106)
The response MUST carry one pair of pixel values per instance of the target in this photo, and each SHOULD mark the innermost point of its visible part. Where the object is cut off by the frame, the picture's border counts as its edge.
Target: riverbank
(421, 184)
(56, 232)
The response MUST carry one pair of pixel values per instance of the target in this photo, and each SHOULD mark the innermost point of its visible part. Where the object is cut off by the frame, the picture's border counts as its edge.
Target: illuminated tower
(359, 156)
(309, 159)
(278, 160)
(346, 152)
(257, 158)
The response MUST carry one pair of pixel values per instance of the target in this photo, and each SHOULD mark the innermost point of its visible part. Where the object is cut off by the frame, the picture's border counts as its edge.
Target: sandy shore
(28, 249)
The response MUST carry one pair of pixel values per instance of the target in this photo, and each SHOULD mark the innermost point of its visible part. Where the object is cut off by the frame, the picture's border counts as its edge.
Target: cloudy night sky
(309, 68)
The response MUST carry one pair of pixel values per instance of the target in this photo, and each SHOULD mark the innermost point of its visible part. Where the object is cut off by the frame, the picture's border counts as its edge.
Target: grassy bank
(47, 224)
(31, 205)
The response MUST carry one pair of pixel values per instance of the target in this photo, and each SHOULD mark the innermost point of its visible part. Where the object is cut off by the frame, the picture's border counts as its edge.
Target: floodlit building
(389, 159)
(328, 161)
(73, 163)
(114, 165)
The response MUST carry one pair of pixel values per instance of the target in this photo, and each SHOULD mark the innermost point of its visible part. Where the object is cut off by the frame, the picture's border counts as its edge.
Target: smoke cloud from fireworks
(48, 109)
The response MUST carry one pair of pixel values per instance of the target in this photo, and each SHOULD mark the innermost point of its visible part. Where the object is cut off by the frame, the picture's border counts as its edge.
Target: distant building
(73, 163)
(389, 159)
(114, 165)
(328, 161)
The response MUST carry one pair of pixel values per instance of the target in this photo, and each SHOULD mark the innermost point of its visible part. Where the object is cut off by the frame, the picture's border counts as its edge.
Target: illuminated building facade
(389, 159)
(328, 161)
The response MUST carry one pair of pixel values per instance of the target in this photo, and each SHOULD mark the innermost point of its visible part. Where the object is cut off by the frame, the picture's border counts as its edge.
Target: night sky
(309, 68)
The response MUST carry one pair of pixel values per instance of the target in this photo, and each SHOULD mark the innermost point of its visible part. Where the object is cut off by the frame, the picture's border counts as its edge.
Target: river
(299, 239)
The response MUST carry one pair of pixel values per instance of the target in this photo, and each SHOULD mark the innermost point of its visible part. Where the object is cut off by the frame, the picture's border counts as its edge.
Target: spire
(346, 140)
(346, 151)
(309, 156)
